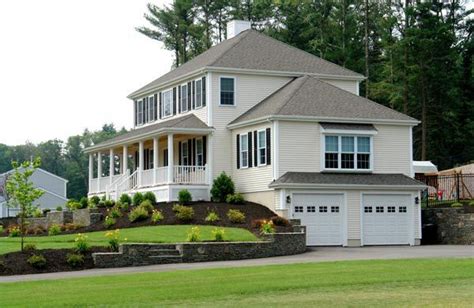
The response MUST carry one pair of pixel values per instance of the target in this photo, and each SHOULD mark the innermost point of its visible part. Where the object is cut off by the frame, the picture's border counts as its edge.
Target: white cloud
(69, 65)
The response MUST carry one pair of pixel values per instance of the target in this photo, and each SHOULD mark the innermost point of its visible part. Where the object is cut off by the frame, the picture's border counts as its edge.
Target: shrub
(176, 207)
(218, 234)
(137, 214)
(37, 261)
(137, 199)
(184, 213)
(114, 212)
(81, 243)
(2, 266)
(101, 204)
(29, 247)
(46, 211)
(35, 230)
(221, 187)
(84, 203)
(94, 200)
(37, 213)
(236, 216)
(267, 227)
(74, 259)
(109, 203)
(280, 221)
(150, 197)
(184, 196)
(109, 221)
(471, 203)
(114, 239)
(59, 208)
(1, 229)
(14, 231)
(125, 198)
(123, 206)
(146, 204)
(72, 205)
(194, 234)
(69, 227)
(156, 216)
(212, 217)
(456, 204)
(54, 230)
(236, 198)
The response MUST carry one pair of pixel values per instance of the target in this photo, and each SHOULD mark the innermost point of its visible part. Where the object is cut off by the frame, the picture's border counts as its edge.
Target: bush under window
(221, 187)
(125, 198)
(184, 196)
(150, 197)
(137, 199)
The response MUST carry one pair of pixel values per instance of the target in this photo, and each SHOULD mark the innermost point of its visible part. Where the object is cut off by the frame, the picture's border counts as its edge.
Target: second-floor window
(198, 93)
(151, 109)
(347, 153)
(227, 89)
(167, 103)
(183, 98)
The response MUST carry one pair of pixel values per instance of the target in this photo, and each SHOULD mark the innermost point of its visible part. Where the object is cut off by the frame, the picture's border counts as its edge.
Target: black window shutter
(194, 94)
(269, 146)
(159, 105)
(204, 150)
(174, 100)
(190, 143)
(135, 113)
(179, 153)
(238, 151)
(179, 99)
(255, 148)
(194, 152)
(189, 95)
(249, 141)
(204, 91)
(155, 102)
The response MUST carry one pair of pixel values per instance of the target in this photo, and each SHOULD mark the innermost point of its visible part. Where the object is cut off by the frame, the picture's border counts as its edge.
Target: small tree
(22, 193)
(221, 187)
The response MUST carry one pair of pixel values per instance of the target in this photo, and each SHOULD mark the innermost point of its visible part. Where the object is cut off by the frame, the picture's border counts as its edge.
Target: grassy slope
(158, 234)
(439, 282)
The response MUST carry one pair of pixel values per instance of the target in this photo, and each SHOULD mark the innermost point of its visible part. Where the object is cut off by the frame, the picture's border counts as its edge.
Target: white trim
(264, 131)
(209, 103)
(276, 149)
(350, 132)
(235, 91)
(410, 151)
(347, 186)
(195, 94)
(163, 116)
(241, 166)
(282, 204)
(339, 153)
(180, 88)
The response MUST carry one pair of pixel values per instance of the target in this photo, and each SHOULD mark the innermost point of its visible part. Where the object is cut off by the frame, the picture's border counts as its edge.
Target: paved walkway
(319, 254)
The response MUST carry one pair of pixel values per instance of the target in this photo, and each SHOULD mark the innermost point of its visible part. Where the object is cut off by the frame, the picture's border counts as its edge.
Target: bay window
(347, 152)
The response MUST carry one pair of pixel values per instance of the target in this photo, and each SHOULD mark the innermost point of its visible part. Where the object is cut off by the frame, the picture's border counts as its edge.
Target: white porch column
(99, 169)
(170, 159)
(155, 158)
(125, 159)
(209, 159)
(91, 169)
(111, 165)
(140, 162)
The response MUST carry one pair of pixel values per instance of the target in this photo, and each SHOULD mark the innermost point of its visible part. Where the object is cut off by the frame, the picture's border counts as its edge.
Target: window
(323, 209)
(198, 93)
(145, 112)
(183, 98)
(402, 209)
(311, 209)
(347, 153)
(167, 103)
(140, 112)
(390, 209)
(262, 147)
(184, 153)
(367, 209)
(298, 209)
(334, 209)
(227, 91)
(199, 152)
(379, 209)
(244, 151)
(151, 108)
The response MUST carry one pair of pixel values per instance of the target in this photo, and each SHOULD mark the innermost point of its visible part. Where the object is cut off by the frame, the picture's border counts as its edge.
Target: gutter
(346, 186)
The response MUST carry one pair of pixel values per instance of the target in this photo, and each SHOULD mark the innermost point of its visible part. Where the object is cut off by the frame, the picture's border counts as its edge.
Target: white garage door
(322, 214)
(386, 219)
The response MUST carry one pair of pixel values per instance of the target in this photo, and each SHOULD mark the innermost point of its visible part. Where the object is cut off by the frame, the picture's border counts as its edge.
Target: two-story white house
(291, 130)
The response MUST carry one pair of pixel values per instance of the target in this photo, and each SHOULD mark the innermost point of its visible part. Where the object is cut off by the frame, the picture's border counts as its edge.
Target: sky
(69, 65)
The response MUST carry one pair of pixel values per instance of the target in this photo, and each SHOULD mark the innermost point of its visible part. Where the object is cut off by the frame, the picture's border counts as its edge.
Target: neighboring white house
(291, 130)
(54, 187)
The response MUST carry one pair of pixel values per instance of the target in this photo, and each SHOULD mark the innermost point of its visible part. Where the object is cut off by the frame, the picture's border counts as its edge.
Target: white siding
(392, 149)
(250, 90)
(353, 214)
(49, 182)
(347, 85)
(265, 198)
(299, 147)
(252, 179)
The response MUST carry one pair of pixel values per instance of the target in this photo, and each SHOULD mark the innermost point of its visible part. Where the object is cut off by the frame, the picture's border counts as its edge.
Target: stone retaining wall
(278, 244)
(448, 225)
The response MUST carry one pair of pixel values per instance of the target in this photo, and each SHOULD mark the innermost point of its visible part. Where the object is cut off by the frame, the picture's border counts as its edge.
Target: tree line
(65, 159)
(417, 55)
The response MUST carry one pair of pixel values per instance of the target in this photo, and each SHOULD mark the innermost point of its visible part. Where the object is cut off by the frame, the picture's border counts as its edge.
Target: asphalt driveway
(317, 254)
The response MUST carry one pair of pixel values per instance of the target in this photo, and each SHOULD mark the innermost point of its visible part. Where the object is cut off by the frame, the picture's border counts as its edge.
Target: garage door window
(379, 209)
(367, 209)
(391, 209)
(334, 209)
(402, 209)
(298, 209)
(323, 209)
(311, 209)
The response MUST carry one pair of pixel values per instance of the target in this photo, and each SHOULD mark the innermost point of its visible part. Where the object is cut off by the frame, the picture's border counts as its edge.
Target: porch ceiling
(188, 124)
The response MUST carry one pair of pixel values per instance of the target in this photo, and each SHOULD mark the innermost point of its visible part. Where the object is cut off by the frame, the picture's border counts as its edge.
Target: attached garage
(387, 219)
(323, 216)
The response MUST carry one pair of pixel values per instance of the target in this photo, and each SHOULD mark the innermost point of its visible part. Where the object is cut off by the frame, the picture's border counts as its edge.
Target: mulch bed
(15, 263)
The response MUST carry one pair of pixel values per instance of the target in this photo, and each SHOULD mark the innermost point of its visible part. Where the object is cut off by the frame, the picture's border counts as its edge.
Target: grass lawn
(153, 234)
(420, 282)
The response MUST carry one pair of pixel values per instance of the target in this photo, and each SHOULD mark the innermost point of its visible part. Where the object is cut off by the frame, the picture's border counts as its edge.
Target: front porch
(164, 162)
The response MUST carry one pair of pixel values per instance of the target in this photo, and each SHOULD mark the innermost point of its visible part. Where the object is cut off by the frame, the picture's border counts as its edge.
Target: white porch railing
(161, 175)
(190, 175)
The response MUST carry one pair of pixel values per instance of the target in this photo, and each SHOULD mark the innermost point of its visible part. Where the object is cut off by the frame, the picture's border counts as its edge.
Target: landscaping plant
(236, 198)
(109, 221)
(146, 204)
(84, 203)
(184, 196)
(212, 217)
(280, 221)
(14, 231)
(267, 227)
(114, 239)
(236, 216)
(59, 208)
(114, 212)
(37, 213)
(29, 247)
(101, 204)
(37, 261)
(471, 203)
(137, 214)
(218, 234)
(55, 229)
(125, 198)
(456, 204)
(94, 200)
(194, 234)
(21, 193)
(150, 197)
(74, 259)
(221, 187)
(81, 243)
(137, 199)
(109, 203)
(184, 213)
(156, 216)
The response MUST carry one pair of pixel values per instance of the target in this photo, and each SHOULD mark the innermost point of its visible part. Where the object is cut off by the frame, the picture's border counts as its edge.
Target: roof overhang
(322, 119)
(148, 135)
(345, 186)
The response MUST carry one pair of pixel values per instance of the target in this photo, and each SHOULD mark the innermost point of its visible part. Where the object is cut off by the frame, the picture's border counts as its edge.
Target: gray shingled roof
(189, 121)
(348, 126)
(253, 50)
(315, 178)
(311, 97)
